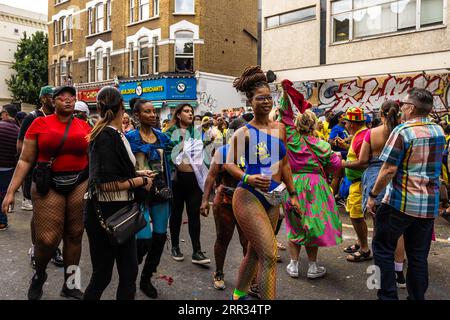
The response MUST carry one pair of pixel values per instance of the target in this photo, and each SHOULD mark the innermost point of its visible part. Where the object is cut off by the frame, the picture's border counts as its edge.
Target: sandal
(359, 256)
(353, 248)
(254, 291)
(281, 245)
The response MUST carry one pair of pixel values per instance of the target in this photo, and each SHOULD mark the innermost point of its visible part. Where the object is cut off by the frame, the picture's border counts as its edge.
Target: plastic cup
(266, 173)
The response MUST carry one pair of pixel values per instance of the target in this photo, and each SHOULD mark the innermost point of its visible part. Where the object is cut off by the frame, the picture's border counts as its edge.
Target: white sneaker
(26, 205)
(292, 269)
(315, 271)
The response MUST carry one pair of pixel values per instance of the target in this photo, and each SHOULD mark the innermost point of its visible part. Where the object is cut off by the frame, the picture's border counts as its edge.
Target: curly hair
(251, 79)
(306, 123)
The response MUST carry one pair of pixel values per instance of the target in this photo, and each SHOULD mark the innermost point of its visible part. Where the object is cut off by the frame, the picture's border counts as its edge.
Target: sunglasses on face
(263, 98)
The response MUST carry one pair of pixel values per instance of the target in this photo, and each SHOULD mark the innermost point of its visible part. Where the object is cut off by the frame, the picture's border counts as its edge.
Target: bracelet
(245, 178)
(130, 183)
(374, 196)
(145, 181)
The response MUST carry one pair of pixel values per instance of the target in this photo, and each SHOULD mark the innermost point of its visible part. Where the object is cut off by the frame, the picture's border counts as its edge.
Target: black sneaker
(58, 260)
(200, 258)
(76, 294)
(176, 254)
(400, 279)
(35, 291)
(148, 289)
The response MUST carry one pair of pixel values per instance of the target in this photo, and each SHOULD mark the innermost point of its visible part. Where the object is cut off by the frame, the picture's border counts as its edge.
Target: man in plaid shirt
(412, 166)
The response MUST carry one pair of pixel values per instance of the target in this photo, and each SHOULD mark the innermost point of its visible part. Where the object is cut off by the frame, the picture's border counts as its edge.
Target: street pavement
(344, 280)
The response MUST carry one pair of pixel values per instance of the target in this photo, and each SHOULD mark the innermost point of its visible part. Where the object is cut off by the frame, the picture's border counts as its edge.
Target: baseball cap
(57, 91)
(82, 106)
(47, 90)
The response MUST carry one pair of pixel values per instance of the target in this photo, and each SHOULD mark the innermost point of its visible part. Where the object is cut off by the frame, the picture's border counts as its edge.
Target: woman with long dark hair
(255, 204)
(150, 146)
(189, 175)
(373, 145)
(113, 185)
(58, 140)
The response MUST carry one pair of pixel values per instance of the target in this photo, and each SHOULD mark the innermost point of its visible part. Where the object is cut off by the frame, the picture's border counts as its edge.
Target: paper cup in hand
(266, 173)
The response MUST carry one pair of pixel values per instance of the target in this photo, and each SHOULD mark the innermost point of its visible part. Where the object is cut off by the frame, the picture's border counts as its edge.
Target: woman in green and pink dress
(310, 158)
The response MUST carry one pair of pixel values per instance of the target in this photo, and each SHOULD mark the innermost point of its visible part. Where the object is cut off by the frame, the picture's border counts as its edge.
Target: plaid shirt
(416, 147)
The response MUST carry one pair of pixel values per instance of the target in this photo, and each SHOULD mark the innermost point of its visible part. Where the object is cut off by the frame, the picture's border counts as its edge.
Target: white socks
(398, 266)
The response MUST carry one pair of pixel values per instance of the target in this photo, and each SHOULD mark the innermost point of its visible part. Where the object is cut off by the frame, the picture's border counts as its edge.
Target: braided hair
(251, 79)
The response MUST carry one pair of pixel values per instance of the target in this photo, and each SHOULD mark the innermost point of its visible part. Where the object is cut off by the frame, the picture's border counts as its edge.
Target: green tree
(31, 66)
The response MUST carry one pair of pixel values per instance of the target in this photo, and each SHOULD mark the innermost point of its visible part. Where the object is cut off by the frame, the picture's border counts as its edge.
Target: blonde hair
(306, 122)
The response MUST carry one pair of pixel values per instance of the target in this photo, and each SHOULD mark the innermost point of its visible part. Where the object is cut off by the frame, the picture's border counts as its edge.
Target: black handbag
(42, 173)
(123, 224)
(159, 192)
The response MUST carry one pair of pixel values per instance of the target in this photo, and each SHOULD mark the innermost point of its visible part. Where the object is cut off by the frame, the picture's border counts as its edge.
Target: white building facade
(13, 23)
(343, 53)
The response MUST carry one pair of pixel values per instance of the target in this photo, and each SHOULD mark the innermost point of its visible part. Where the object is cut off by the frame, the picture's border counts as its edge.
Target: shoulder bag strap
(66, 133)
(316, 159)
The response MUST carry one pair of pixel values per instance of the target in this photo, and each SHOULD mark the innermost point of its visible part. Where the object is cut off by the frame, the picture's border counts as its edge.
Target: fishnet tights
(58, 217)
(258, 226)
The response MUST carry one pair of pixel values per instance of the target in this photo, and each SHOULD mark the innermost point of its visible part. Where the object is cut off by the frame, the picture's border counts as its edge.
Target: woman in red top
(58, 214)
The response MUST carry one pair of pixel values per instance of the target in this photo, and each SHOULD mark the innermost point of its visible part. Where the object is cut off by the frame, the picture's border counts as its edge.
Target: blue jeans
(5, 179)
(390, 224)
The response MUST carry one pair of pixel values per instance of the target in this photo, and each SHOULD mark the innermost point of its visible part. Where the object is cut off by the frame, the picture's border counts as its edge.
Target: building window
(62, 70)
(69, 71)
(89, 67)
(144, 9)
(55, 72)
(55, 32)
(184, 6)
(131, 60)
(90, 21)
(184, 51)
(99, 65)
(143, 56)
(108, 63)
(70, 28)
(99, 17)
(132, 11)
(63, 29)
(108, 15)
(155, 8)
(304, 14)
(355, 19)
(155, 55)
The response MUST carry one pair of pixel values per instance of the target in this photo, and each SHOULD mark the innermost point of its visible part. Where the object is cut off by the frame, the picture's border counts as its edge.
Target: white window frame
(89, 67)
(351, 37)
(185, 12)
(185, 55)
(63, 30)
(132, 11)
(141, 8)
(56, 32)
(99, 67)
(131, 60)
(140, 59)
(70, 28)
(108, 14)
(155, 54)
(108, 63)
(99, 20)
(62, 62)
(155, 8)
(90, 21)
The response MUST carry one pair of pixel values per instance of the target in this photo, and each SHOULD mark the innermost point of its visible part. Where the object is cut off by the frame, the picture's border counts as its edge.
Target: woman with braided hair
(255, 201)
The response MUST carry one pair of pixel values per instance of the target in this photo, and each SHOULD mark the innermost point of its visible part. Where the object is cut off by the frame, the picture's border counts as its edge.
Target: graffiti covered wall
(370, 93)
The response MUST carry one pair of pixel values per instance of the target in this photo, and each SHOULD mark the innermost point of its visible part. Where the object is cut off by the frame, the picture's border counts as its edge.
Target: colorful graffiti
(372, 92)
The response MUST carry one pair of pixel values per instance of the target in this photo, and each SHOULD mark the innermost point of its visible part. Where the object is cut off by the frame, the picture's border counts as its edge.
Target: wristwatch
(374, 196)
(145, 180)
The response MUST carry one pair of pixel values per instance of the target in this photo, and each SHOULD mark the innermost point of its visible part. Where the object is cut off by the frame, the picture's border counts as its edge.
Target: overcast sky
(31, 5)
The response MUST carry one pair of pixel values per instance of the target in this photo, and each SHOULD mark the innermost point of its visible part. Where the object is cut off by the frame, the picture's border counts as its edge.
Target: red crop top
(49, 132)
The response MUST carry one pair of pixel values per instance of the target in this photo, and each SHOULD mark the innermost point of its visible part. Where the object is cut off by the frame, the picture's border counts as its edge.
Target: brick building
(163, 50)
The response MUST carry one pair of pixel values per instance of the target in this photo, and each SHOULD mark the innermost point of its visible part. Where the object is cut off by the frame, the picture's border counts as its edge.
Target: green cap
(46, 90)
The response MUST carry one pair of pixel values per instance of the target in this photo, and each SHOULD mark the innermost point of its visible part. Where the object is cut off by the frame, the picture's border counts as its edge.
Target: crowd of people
(79, 171)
